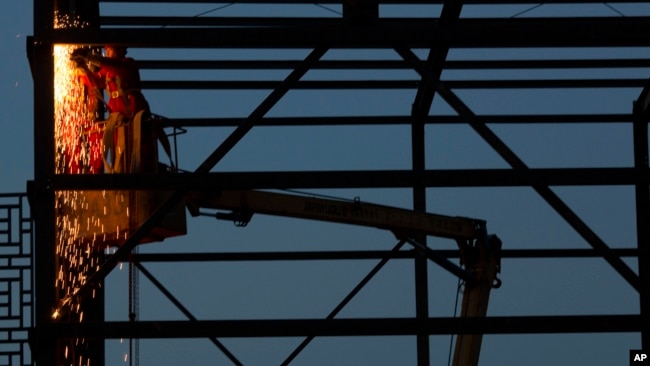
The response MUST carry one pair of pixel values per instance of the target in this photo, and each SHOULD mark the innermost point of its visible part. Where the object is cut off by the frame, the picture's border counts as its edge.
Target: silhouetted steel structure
(362, 25)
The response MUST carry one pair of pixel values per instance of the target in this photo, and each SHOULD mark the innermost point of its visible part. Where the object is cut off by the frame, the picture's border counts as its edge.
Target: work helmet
(117, 48)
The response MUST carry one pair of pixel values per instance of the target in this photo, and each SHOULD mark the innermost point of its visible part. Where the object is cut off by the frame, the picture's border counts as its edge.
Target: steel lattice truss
(444, 57)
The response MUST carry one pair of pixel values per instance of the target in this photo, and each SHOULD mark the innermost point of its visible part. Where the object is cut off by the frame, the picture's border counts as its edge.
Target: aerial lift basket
(105, 219)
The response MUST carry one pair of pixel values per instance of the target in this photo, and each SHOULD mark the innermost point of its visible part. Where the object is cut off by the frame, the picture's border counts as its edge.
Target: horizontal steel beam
(276, 256)
(391, 84)
(356, 179)
(371, 64)
(408, 2)
(212, 22)
(365, 255)
(399, 120)
(341, 327)
(415, 33)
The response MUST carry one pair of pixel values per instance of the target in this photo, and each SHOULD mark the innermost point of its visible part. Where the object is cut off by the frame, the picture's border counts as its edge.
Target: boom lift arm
(480, 253)
(483, 261)
(242, 204)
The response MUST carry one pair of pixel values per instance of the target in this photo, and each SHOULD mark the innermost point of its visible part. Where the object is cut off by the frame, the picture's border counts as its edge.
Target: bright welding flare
(71, 120)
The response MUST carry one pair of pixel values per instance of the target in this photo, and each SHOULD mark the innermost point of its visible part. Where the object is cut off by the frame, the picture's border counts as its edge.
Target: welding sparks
(70, 118)
(88, 222)
(73, 119)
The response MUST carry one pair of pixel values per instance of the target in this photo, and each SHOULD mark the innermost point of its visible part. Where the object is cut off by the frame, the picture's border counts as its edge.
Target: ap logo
(639, 357)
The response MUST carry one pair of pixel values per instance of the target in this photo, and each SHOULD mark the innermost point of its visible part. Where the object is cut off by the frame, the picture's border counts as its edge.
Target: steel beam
(419, 111)
(358, 179)
(641, 109)
(345, 327)
(372, 64)
(416, 33)
(41, 192)
(400, 120)
(368, 255)
(543, 190)
(346, 300)
(640, 137)
(391, 84)
(334, 2)
(184, 310)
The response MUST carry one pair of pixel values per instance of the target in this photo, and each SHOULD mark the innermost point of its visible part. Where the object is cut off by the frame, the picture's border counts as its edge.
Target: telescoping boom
(480, 252)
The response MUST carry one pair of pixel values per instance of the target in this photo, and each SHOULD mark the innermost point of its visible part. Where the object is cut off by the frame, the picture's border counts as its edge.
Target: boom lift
(480, 252)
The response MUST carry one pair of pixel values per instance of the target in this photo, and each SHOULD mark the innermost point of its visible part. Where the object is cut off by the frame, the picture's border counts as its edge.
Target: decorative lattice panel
(16, 297)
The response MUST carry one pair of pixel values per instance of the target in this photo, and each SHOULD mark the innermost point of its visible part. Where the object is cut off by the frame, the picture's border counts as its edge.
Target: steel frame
(437, 35)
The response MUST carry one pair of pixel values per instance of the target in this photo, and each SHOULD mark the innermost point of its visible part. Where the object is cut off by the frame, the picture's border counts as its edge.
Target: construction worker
(120, 77)
(129, 142)
(81, 150)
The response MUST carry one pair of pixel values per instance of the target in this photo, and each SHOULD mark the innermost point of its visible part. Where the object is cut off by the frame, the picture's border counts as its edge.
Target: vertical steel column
(420, 262)
(640, 136)
(44, 351)
(420, 111)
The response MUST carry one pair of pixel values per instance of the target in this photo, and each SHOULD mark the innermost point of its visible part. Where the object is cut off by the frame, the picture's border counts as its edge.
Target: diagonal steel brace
(185, 311)
(511, 158)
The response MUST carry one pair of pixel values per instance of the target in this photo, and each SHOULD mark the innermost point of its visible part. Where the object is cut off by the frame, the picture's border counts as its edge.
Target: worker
(80, 147)
(82, 153)
(120, 76)
(129, 136)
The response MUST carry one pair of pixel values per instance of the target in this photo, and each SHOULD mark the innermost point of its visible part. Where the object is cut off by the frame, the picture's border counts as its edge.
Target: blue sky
(311, 289)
